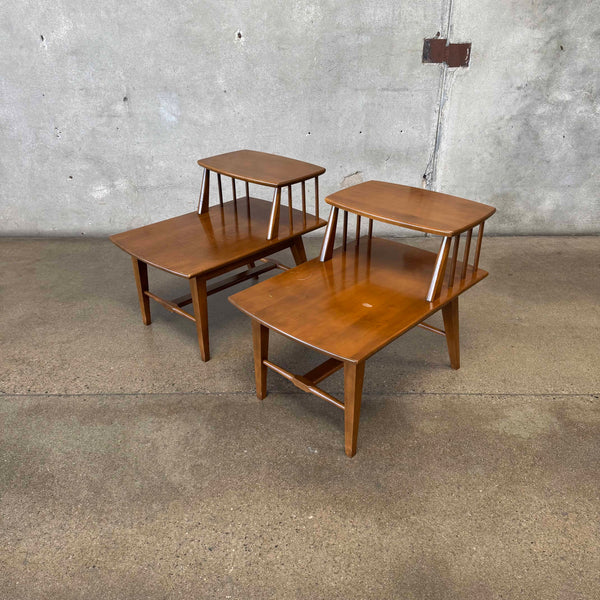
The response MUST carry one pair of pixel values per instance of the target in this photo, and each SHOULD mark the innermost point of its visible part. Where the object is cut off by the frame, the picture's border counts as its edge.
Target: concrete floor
(130, 469)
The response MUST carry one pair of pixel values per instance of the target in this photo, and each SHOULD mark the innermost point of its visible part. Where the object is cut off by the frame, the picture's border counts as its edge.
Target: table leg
(354, 374)
(140, 271)
(251, 265)
(199, 301)
(298, 251)
(450, 314)
(260, 339)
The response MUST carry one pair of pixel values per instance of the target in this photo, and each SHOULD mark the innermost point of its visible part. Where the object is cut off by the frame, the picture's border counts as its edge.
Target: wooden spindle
(329, 239)
(454, 259)
(438, 272)
(274, 219)
(220, 188)
(317, 197)
(345, 230)
(478, 248)
(357, 228)
(304, 204)
(466, 254)
(291, 213)
(204, 193)
(233, 190)
(247, 190)
(370, 229)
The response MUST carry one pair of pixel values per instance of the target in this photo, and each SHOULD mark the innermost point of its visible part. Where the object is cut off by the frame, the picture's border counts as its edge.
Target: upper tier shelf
(261, 168)
(414, 208)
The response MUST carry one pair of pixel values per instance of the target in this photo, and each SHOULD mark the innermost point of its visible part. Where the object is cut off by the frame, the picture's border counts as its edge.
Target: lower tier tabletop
(193, 244)
(353, 305)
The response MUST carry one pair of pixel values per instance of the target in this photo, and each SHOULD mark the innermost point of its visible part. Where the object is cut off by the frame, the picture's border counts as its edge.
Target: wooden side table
(353, 300)
(217, 239)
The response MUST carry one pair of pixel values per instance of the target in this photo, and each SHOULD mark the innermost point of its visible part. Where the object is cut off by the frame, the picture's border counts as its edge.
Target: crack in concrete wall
(430, 174)
(352, 179)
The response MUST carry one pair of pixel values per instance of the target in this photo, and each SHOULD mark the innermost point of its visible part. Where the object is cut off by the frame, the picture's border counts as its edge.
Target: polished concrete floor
(130, 469)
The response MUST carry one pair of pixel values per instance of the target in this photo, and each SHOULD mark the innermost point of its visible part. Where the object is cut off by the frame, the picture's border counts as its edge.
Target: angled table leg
(251, 265)
(199, 301)
(450, 314)
(354, 374)
(140, 271)
(298, 251)
(260, 339)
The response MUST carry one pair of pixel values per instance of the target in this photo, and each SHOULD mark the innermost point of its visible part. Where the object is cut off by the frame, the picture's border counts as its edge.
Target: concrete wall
(105, 106)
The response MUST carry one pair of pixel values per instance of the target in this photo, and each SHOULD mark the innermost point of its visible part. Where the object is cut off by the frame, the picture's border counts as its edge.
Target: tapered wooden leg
(251, 265)
(260, 339)
(450, 314)
(298, 251)
(140, 271)
(354, 374)
(198, 289)
(329, 239)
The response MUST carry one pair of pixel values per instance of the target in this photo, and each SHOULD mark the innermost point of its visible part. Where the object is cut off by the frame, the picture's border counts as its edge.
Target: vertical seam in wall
(449, 21)
(431, 170)
(431, 179)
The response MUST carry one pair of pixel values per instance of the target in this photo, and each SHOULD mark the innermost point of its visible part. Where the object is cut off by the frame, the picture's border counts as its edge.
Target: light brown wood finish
(358, 301)
(329, 239)
(304, 197)
(260, 336)
(304, 384)
(140, 271)
(261, 168)
(172, 305)
(273, 230)
(478, 248)
(439, 270)
(193, 244)
(345, 230)
(220, 185)
(354, 300)
(414, 208)
(298, 251)
(324, 370)
(354, 374)
(217, 239)
(204, 192)
(450, 315)
(454, 259)
(289, 197)
(233, 190)
(432, 328)
(465, 265)
(198, 289)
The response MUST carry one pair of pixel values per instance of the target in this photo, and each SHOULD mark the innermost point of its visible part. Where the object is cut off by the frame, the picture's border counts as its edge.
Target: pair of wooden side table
(348, 303)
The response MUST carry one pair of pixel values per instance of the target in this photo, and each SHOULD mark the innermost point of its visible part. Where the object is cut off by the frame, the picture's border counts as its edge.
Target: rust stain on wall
(438, 50)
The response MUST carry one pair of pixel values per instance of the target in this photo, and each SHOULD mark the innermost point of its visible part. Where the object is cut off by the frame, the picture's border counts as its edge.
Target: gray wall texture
(105, 106)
